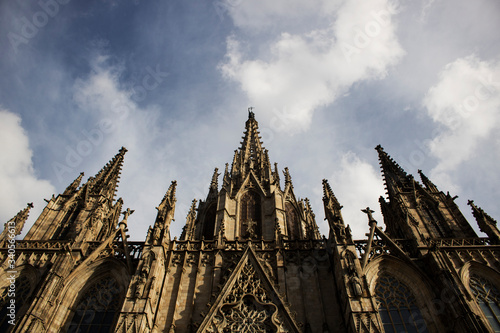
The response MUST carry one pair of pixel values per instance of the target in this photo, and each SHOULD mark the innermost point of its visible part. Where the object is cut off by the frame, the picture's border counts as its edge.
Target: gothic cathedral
(251, 259)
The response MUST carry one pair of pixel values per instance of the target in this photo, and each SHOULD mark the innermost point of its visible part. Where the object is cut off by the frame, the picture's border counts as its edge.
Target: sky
(172, 81)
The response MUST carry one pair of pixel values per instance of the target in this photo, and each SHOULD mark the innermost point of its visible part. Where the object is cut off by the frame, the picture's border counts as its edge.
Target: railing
(446, 242)
(238, 245)
(42, 245)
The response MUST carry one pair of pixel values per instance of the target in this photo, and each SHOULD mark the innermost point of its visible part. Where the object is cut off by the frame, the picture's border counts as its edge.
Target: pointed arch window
(397, 307)
(488, 298)
(293, 221)
(250, 215)
(97, 309)
(209, 222)
(20, 294)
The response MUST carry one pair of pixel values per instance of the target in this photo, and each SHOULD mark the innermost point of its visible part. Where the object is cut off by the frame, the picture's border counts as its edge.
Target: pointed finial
(171, 191)
(288, 178)
(17, 222)
(214, 183)
(250, 112)
(74, 185)
(426, 181)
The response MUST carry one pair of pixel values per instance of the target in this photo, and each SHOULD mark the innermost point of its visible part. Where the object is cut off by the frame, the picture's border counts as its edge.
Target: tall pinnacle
(106, 180)
(17, 222)
(251, 147)
(251, 155)
(486, 223)
(74, 185)
(426, 181)
(394, 175)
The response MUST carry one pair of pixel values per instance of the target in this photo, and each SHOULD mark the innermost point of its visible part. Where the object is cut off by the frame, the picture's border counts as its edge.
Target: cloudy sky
(172, 80)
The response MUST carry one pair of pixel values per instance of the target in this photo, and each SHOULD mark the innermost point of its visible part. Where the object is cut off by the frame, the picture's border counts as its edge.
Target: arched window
(209, 222)
(20, 294)
(488, 298)
(96, 310)
(292, 221)
(250, 215)
(397, 307)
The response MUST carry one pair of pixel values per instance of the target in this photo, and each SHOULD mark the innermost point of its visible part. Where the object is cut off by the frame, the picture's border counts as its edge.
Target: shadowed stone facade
(251, 259)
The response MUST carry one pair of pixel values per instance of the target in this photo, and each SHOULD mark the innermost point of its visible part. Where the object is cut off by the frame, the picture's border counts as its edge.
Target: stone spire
(333, 214)
(486, 223)
(74, 185)
(189, 228)
(16, 223)
(213, 190)
(165, 215)
(427, 183)
(394, 176)
(106, 180)
(251, 156)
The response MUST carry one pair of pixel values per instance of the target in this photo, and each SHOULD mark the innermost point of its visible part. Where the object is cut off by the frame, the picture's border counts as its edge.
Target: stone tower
(251, 259)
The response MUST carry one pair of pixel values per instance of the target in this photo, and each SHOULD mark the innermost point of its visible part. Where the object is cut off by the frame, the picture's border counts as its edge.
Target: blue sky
(172, 80)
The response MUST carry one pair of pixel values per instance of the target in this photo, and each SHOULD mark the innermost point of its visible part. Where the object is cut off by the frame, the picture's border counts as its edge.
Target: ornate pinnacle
(480, 214)
(327, 190)
(214, 183)
(17, 222)
(171, 192)
(74, 185)
(430, 185)
(388, 164)
(106, 180)
(225, 180)
(192, 210)
(288, 178)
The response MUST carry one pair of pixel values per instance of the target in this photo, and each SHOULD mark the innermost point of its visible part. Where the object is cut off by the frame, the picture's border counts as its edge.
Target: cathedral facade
(251, 259)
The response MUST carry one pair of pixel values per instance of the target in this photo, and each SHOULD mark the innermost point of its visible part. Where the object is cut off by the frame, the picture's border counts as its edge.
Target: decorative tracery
(397, 307)
(97, 308)
(488, 298)
(247, 307)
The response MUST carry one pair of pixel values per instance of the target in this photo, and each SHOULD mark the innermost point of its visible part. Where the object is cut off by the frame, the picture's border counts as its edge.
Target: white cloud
(466, 103)
(260, 15)
(304, 71)
(357, 185)
(20, 184)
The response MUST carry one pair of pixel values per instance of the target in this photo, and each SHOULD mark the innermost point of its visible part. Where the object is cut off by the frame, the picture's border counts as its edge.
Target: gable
(249, 302)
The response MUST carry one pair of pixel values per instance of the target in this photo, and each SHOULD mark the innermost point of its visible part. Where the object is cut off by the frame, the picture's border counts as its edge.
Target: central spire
(251, 156)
